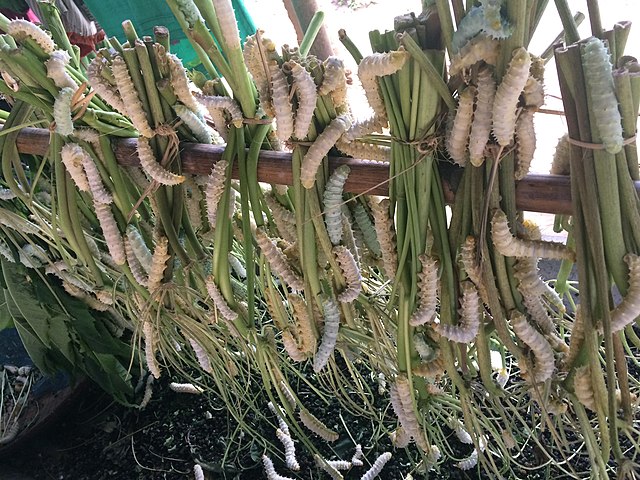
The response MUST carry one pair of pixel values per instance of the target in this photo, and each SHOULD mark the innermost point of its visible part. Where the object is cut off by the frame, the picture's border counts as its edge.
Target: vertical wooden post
(301, 12)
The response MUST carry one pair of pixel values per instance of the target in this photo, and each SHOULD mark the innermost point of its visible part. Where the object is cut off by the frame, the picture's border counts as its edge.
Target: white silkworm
(219, 302)
(378, 65)
(192, 16)
(279, 413)
(458, 135)
(284, 219)
(277, 261)
(96, 186)
(110, 231)
(600, 89)
(377, 466)
(332, 202)
(482, 117)
(199, 129)
(506, 100)
(360, 129)
(533, 93)
(228, 26)
(367, 151)
(270, 470)
(561, 157)
(510, 246)
(542, 351)
(629, 309)
(583, 387)
(62, 112)
(151, 166)
(138, 272)
(107, 92)
(148, 392)
(130, 99)
(237, 266)
(185, 388)
(427, 292)
(56, 70)
(329, 335)
(307, 96)
(197, 472)
(481, 48)
(201, 355)
(356, 460)
(351, 274)
(470, 315)
(215, 188)
(288, 395)
(316, 426)
(150, 349)
(328, 467)
(227, 104)
(367, 228)
(139, 247)
(21, 29)
(385, 234)
(402, 402)
(530, 284)
(339, 464)
(289, 450)
(525, 142)
(334, 80)
(470, 462)
(400, 438)
(180, 83)
(425, 351)
(72, 156)
(281, 104)
(461, 432)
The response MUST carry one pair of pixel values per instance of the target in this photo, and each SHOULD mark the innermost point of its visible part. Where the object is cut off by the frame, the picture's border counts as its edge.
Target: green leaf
(59, 334)
(5, 317)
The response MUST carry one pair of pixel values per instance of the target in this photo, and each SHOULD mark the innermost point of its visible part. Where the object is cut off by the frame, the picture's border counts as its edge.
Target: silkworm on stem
(386, 236)
(458, 135)
(21, 29)
(482, 117)
(289, 450)
(525, 142)
(130, 99)
(219, 302)
(542, 351)
(329, 335)
(351, 274)
(307, 96)
(110, 231)
(470, 315)
(151, 166)
(62, 112)
(316, 426)
(332, 197)
(378, 65)
(281, 103)
(185, 388)
(56, 69)
(428, 287)
(277, 261)
(320, 148)
(73, 156)
(377, 466)
(481, 48)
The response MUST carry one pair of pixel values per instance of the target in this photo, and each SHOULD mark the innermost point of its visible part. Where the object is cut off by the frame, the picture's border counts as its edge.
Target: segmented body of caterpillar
(284, 219)
(458, 135)
(367, 228)
(139, 247)
(336, 465)
(351, 274)
(148, 393)
(72, 156)
(150, 349)
(191, 15)
(201, 355)
(316, 426)
(130, 99)
(257, 67)
(329, 335)
(92, 137)
(151, 167)
(507, 95)
(270, 470)
(279, 413)
(402, 401)
(481, 48)
(199, 129)
(377, 466)
(525, 142)
(561, 157)
(21, 29)
(542, 351)
(533, 93)
(332, 197)
(228, 25)
(107, 92)
(62, 112)
(600, 90)
(482, 117)
(158, 263)
(583, 388)
(360, 129)
(218, 300)
(277, 261)
(461, 433)
(629, 309)
(304, 324)
(425, 351)
(215, 103)
(289, 450)
(510, 246)
(281, 104)
(334, 80)
(110, 231)
(470, 462)
(186, 388)
(379, 65)
(138, 272)
(428, 287)
(97, 188)
(431, 369)
(56, 70)
(320, 147)
(356, 460)
(180, 83)
(368, 151)
(528, 275)
(292, 348)
(385, 234)
(470, 315)
(215, 188)
(198, 474)
(307, 96)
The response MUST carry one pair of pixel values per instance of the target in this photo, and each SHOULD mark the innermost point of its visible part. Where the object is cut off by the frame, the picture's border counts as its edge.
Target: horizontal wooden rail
(535, 193)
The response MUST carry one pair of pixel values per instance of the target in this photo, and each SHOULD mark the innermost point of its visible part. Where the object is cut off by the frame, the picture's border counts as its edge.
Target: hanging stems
(594, 18)
(312, 32)
(570, 28)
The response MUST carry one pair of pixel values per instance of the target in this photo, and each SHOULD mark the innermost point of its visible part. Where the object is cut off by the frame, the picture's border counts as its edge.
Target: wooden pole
(300, 13)
(535, 193)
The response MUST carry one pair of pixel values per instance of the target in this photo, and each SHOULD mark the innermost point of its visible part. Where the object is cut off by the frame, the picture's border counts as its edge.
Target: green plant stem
(350, 46)
(312, 32)
(446, 23)
(570, 27)
(594, 18)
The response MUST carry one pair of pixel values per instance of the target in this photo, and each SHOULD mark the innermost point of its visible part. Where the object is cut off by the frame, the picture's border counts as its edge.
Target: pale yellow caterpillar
(288, 395)
(402, 401)
(56, 70)
(428, 287)
(180, 83)
(304, 324)
(561, 157)
(329, 335)
(256, 66)
(199, 129)
(90, 136)
(332, 197)
(470, 315)
(542, 351)
(385, 233)
(185, 388)
(284, 219)
(130, 99)
(601, 92)
(458, 135)
(281, 104)
(377, 466)
(148, 392)
(215, 188)
(507, 96)
(583, 388)
(236, 266)
(97, 188)
(351, 274)
(334, 80)
(107, 92)
(277, 261)
(214, 103)
(289, 450)
(110, 232)
(360, 129)
(62, 112)
(510, 246)
(292, 348)
(151, 166)
(378, 65)
(201, 355)
(150, 349)
(481, 48)
(158, 263)
(22, 29)
(139, 248)
(349, 239)
(525, 142)
(320, 147)
(227, 20)
(270, 470)
(482, 117)
(72, 156)
(367, 151)
(533, 93)
(198, 474)
(470, 462)
(316, 426)
(629, 309)
(218, 300)
(307, 96)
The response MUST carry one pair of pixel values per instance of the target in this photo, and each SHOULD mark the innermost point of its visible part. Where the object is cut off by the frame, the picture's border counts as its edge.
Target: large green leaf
(5, 317)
